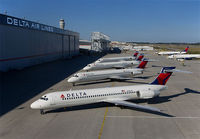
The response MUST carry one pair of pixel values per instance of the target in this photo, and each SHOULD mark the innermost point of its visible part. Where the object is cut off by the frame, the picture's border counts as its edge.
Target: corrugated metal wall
(21, 47)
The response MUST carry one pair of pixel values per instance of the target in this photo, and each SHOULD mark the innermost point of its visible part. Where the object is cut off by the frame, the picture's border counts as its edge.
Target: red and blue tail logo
(135, 54)
(140, 57)
(163, 76)
(186, 49)
(143, 63)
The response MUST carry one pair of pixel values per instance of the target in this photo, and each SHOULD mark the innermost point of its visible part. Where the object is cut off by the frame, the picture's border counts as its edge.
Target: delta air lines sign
(13, 21)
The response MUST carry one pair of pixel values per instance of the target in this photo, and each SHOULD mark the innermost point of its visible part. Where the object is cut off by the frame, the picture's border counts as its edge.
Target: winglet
(164, 75)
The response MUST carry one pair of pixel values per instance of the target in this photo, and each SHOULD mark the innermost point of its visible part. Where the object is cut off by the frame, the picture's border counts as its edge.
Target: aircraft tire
(42, 112)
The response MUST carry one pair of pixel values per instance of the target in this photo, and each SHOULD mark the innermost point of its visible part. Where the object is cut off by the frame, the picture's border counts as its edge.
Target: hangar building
(24, 43)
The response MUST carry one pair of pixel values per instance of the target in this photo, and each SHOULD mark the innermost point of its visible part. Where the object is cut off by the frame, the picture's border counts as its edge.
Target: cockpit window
(75, 75)
(44, 98)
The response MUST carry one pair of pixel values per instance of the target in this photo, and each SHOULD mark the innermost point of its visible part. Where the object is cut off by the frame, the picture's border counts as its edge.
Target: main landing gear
(122, 107)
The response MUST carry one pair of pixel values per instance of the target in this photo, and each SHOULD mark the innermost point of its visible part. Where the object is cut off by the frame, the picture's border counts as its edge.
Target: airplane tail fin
(186, 49)
(135, 54)
(140, 57)
(143, 63)
(164, 75)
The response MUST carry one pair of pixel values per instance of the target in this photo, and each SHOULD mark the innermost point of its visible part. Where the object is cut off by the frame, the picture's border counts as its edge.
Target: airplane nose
(170, 56)
(141, 71)
(86, 68)
(35, 105)
(98, 61)
(71, 80)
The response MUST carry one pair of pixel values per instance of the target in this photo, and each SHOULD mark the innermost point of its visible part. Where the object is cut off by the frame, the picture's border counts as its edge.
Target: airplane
(126, 48)
(185, 56)
(115, 95)
(115, 59)
(117, 74)
(108, 65)
(173, 52)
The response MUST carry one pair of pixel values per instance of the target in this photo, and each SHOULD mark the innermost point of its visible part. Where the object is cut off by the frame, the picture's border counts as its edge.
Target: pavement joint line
(153, 117)
(102, 125)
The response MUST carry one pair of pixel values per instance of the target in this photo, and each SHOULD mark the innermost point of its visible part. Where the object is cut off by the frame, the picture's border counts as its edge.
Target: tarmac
(180, 105)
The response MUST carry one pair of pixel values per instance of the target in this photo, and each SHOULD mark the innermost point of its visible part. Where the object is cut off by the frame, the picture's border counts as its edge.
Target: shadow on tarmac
(100, 105)
(117, 80)
(155, 66)
(163, 99)
(18, 86)
(93, 82)
(81, 107)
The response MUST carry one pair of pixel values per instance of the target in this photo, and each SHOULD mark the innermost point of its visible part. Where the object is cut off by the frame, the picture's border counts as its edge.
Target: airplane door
(52, 101)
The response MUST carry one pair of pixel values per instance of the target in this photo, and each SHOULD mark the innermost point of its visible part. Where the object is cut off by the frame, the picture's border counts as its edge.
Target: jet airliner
(173, 52)
(116, 59)
(108, 65)
(185, 56)
(117, 74)
(115, 95)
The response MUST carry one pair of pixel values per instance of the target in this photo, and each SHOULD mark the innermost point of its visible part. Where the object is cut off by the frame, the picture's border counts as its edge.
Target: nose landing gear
(42, 112)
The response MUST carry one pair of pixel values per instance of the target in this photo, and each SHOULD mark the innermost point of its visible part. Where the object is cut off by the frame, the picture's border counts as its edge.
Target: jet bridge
(99, 42)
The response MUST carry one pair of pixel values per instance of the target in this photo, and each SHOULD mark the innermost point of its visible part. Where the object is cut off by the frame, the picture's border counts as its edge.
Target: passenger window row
(100, 95)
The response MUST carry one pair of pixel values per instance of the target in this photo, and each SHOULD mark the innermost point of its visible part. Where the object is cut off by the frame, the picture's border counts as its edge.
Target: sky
(122, 20)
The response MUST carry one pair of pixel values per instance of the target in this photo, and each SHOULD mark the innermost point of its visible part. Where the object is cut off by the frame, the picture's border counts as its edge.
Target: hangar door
(72, 47)
(66, 47)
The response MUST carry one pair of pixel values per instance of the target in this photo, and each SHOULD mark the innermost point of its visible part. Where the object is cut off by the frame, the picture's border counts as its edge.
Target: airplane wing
(119, 78)
(118, 66)
(133, 105)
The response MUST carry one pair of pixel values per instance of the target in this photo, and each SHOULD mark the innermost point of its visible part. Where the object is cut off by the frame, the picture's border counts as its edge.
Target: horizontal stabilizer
(133, 105)
(177, 70)
(152, 60)
(119, 67)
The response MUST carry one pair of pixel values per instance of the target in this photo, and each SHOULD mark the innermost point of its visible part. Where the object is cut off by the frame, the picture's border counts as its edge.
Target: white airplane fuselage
(185, 56)
(104, 74)
(81, 97)
(115, 59)
(171, 52)
(107, 65)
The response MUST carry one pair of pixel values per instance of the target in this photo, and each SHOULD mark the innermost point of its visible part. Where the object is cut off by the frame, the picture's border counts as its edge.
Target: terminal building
(24, 43)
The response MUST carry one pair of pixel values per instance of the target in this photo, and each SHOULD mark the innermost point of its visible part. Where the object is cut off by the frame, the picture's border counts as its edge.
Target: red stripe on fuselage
(25, 57)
